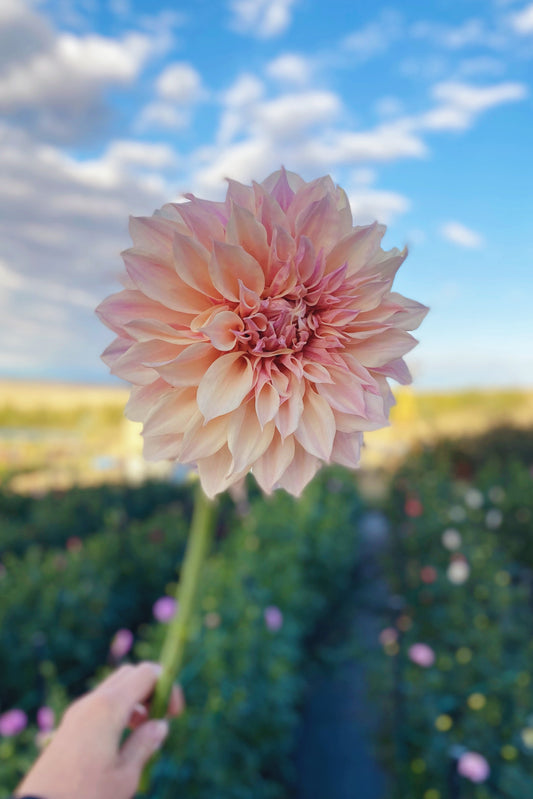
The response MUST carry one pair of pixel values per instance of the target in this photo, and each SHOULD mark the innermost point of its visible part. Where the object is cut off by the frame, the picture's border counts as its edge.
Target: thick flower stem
(178, 631)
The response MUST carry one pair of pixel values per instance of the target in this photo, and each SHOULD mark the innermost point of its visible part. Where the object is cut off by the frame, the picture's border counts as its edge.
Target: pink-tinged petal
(345, 394)
(269, 212)
(241, 195)
(266, 403)
(356, 249)
(153, 235)
(171, 413)
(245, 231)
(247, 440)
(279, 187)
(222, 328)
(215, 472)
(156, 448)
(290, 411)
(352, 423)
(316, 430)
(203, 440)
(398, 370)
(347, 449)
(119, 309)
(300, 471)
(382, 348)
(191, 261)
(147, 329)
(129, 367)
(306, 261)
(269, 468)
(162, 284)
(320, 222)
(116, 349)
(189, 367)
(143, 398)
(308, 194)
(229, 265)
(126, 282)
(345, 211)
(225, 385)
(206, 227)
(411, 313)
(316, 373)
(155, 353)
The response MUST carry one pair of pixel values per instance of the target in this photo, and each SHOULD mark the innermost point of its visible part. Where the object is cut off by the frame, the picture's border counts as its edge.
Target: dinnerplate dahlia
(259, 332)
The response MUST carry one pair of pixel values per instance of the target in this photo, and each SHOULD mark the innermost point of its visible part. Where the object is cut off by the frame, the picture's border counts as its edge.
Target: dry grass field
(53, 434)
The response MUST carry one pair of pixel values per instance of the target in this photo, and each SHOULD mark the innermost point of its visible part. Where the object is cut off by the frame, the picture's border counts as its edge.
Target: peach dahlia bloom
(259, 332)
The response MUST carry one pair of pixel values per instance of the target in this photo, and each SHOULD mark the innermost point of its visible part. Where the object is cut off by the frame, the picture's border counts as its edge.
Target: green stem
(173, 650)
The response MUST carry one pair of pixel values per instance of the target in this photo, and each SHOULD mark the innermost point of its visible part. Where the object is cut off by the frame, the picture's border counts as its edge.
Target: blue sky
(423, 112)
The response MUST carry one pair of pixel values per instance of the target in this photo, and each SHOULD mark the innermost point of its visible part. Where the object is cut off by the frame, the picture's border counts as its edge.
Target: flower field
(86, 580)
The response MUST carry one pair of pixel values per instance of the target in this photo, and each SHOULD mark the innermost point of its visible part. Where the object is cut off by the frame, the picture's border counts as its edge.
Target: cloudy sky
(422, 111)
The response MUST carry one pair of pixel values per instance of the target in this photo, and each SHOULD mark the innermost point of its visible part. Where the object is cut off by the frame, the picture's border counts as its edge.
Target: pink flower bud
(422, 655)
(273, 618)
(45, 719)
(12, 722)
(164, 608)
(121, 643)
(473, 766)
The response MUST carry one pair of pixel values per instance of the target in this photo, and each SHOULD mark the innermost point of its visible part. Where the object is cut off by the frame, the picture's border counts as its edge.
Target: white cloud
(369, 204)
(481, 65)
(522, 21)
(461, 235)
(292, 114)
(376, 37)
(290, 68)
(261, 18)
(461, 104)
(178, 88)
(179, 83)
(470, 33)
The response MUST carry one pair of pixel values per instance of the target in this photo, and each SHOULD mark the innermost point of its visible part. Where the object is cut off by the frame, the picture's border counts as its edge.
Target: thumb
(141, 744)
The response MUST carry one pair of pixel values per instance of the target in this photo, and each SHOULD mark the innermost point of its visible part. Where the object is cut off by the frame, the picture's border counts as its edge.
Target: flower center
(278, 325)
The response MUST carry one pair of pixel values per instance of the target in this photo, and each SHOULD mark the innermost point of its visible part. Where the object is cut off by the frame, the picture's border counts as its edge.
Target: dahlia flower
(259, 332)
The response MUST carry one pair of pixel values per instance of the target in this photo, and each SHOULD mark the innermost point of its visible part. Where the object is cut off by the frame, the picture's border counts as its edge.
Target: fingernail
(159, 732)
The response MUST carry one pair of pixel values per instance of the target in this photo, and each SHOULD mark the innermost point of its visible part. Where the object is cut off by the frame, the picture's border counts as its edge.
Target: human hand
(84, 758)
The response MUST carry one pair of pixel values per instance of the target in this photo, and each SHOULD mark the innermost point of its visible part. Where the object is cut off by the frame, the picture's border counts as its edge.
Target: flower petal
(269, 468)
(191, 261)
(230, 264)
(266, 403)
(203, 440)
(171, 413)
(382, 348)
(347, 449)
(188, 368)
(214, 472)
(221, 330)
(247, 232)
(316, 430)
(356, 248)
(119, 309)
(225, 385)
(162, 283)
(300, 471)
(290, 411)
(154, 235)
(247, 439)
(143, 398)
(156, 448)
(320, 222)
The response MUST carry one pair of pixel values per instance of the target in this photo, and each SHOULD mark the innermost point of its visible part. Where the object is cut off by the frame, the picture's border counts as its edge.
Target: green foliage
(243, 682)
(477, 695)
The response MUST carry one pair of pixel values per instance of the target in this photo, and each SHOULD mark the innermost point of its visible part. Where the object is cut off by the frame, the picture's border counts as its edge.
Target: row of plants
(454, 673)
(56, 517)
(266, 586)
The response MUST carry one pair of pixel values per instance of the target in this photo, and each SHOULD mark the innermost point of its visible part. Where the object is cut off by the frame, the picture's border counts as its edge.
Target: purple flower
(422, 655)
(273, 618)
(164, 608)
(121, 643)
(473, 766)
(46, 719)
(12, 722)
